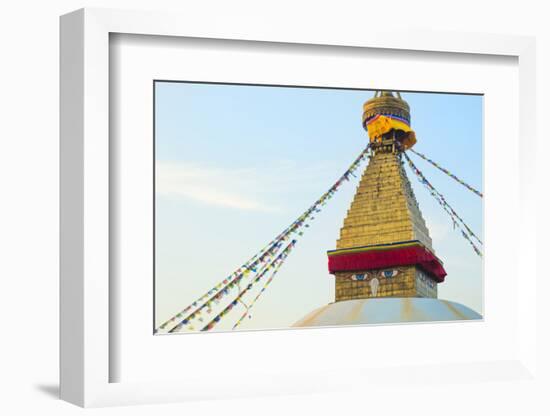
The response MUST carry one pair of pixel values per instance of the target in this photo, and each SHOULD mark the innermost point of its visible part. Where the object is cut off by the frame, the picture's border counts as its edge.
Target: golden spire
(385, 249)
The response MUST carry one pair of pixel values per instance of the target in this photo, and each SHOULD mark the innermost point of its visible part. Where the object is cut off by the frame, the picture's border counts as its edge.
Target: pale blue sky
(237, 164)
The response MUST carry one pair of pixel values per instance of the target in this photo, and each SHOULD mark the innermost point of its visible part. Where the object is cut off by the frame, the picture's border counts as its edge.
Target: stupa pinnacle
(384, 249)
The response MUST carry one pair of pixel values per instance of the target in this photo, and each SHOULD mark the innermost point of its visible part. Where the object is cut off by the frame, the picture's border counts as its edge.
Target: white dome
(387, 310)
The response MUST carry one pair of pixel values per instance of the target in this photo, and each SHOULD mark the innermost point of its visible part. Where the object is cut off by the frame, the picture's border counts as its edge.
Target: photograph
(275, 207)
(281, 207)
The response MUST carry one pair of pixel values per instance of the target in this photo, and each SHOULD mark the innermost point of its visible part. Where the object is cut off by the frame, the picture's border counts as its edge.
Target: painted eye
(389, 273)
(358, 277)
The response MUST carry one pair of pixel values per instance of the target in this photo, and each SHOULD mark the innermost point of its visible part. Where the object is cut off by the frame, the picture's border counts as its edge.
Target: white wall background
(29, 205)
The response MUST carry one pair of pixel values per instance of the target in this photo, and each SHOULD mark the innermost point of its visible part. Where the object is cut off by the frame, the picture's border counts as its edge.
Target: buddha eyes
(389, 273)
(384, 273)
(359, 277)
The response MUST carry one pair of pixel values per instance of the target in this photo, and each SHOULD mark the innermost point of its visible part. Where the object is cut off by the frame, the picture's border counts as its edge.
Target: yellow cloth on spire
(381, 125)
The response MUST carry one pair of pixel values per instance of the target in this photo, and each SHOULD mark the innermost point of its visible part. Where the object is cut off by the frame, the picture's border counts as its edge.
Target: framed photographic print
(271, 208)
(219, 186)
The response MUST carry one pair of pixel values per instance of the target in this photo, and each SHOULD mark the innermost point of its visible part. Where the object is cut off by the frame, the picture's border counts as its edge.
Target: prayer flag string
(251, 305)
(467, 233)
(224, 290)
(276, 264)
(221, 289)
(442, 169)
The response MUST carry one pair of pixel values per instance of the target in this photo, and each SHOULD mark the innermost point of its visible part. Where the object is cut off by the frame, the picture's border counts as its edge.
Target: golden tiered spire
(384, 247)
(384, 209)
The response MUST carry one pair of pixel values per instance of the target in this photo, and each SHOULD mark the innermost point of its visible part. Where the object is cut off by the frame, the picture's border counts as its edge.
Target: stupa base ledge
(387, 310)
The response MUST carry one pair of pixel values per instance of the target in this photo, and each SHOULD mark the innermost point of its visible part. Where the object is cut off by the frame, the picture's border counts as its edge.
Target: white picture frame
(85, 185)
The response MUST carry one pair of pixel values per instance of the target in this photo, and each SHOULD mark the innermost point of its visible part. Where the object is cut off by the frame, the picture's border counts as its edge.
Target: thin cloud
(236, 189)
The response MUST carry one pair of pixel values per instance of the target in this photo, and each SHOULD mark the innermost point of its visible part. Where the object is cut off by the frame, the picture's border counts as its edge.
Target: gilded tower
(384, 265)
(385, 249)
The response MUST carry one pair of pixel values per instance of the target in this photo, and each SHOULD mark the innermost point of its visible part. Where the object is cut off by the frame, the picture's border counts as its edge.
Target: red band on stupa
(386, 255)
